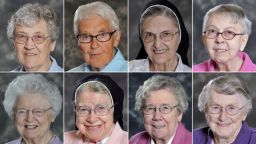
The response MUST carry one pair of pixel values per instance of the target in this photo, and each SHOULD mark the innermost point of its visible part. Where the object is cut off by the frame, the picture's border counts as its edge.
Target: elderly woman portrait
(164, 38)
(96, 27)
(162, 101)
(98, 107)
(226, 30)
(32, 102)
(225, 102)
(33, 30)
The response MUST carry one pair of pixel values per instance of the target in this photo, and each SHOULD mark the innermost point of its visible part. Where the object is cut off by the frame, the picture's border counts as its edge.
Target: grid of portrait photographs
(127, 72)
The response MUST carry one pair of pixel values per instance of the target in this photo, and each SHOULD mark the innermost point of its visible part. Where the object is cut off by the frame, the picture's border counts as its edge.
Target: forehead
(159, 23)
(222, 21)
(223, 99)
(94, 23)
(88, 96)
(32, 100)
(38, 27)
(158, 97)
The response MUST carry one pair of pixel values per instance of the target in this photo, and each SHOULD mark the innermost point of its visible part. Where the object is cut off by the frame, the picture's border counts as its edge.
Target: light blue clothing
(118, 63)
(55, 140)
(54, 67)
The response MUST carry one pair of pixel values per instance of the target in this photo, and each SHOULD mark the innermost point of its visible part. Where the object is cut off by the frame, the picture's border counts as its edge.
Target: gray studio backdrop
(8, 57)
(73, 56)
(136, 123)
(200, 79)
(200, 7)
(135, 9)
(70, 83)
(8, 130)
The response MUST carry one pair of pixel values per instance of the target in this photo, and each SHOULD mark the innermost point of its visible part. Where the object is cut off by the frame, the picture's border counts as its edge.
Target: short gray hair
(236, 13)
(159, 82)
(227, 85)
(35, 83)
(99, 8)
(30, 14)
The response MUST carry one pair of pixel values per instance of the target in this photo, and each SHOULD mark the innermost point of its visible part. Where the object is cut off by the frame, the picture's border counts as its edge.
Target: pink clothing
(182, 136)
(118, 136)
(208, 66)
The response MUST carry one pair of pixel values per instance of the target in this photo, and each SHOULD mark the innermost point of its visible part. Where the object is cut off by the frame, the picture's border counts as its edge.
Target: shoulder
(201, 67)
(141, 138)
(17, 141)
(79, 68)
(139, 65)
(72, 137)
(200, 135)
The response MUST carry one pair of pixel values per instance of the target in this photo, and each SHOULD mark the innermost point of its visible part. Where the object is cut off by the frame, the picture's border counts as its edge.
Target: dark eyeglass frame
(96, 36)
(222, 34)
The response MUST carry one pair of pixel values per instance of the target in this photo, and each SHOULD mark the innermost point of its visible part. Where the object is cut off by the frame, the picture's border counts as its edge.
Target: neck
(233, 65)
(45, 67)
(46, 139)
(168, 66)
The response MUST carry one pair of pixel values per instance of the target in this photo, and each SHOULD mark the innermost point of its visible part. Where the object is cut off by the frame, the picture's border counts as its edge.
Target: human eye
(212, 31)
(229, 34)
(85, 38)
(21, 36)
(83, 109)
(101, 108)
(38, 112)
(21, 111)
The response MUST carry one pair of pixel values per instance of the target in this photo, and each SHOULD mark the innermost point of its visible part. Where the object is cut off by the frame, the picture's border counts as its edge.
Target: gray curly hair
(30, 14)
(159, 82)
(227, 85)
(32, 83)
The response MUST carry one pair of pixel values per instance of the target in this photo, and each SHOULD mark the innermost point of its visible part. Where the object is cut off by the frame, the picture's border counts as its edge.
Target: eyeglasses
(230, 109)
(36, 112)
(165, 36)
(99, 110)
(102, 37)
(23, 38)
(164, 109)
(213, 33)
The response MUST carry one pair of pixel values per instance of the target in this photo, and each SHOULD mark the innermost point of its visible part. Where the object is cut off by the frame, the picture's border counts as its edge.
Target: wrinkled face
(97, 54)
(160, 51)
(30, 126)
(161, 126)
(222, 124)
(94, 127)
(34, 57)
(221, 50)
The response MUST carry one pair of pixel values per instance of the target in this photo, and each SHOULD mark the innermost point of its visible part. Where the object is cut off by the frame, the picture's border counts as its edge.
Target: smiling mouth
(159, 51)
(220, 50)
(31, 126)
(30, 54)
(223, 125)
(158, 126)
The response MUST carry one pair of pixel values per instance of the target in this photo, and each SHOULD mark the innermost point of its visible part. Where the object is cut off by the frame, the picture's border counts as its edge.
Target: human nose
(29, 44)
(92, 117)
(219, 37)
(29, 116)
(222, 114)
(95, 43)
(157, 41)
(157, 114)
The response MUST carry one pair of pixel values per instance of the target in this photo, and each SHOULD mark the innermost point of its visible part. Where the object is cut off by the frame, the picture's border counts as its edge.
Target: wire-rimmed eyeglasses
(22, 112)
(230, 109)
(99, 110)
(164, 109)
